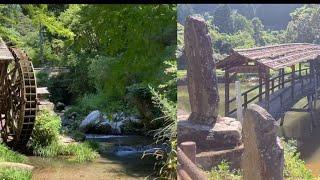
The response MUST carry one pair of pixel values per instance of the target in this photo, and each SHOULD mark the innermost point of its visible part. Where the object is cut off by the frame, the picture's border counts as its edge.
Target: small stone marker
(201, 76)
(263, 157)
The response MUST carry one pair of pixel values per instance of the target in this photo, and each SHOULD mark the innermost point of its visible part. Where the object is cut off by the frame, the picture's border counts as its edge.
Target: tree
(304, 26)
(257, 31)
(222, 18)
(241, 23)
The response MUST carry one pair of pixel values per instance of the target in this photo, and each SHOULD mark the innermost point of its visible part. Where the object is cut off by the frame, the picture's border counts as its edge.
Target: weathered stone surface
(201, 76)
(263, 157)
(209, 159)
(16, 166)
(93, 119)
(225, 133)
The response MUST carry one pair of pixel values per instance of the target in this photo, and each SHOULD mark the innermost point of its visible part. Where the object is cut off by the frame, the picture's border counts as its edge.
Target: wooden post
(260, 83)
(226, 92)
(279, 79)
(267, 88)
(310, 109)
(292, 80)
(189, 148)
(300, 67)
(239, 102)
(282, 77)
(315, 90)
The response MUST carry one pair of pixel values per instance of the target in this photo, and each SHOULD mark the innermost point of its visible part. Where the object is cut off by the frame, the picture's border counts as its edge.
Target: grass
(181, 74)
(81, 152)
(7, 155)
(15, 174)
(223, 172)
(294, 167)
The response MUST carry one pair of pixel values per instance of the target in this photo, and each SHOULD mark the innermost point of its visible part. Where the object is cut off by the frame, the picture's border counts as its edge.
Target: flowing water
(297, 125)
(120, 159)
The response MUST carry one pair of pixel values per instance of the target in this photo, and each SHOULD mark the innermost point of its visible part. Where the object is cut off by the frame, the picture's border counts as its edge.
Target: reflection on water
(297, 125)
(108, 166)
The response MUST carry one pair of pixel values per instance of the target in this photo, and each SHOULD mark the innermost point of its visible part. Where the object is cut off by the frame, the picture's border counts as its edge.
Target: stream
(120, 159)
(297, 125)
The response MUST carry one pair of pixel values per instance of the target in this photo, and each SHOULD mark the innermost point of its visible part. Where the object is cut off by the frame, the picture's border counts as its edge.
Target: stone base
(45, 104)
(224, 134)
(209, 159)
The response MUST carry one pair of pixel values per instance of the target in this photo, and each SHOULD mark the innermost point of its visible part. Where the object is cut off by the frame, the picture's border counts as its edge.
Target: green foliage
(42, 79)
(167, 133)
(7, 155)
(58, 87)
(10, 156)
(15, 174)
(46, 129)
(45, 140)
(257, 31)
(241, 23)
(222, 172)
(304, 26)
(82, 152)
(294, 167)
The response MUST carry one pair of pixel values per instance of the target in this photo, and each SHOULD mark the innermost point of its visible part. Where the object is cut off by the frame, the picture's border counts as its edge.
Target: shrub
(42, 79)
(294, 167)
(222, 172)
(58, 86)
(140, 96)
(46, 129)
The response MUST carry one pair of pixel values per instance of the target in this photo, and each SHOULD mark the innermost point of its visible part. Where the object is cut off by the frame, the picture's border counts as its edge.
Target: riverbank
(111, 163)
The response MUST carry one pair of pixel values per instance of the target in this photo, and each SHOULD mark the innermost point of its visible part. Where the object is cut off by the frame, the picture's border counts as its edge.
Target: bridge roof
(5, 54)
(274, 57)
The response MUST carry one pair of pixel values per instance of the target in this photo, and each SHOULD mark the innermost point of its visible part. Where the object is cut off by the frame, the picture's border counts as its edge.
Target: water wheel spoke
(15, 76)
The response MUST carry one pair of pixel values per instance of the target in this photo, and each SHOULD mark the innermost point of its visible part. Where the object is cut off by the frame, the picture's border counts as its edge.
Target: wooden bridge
(277, 93)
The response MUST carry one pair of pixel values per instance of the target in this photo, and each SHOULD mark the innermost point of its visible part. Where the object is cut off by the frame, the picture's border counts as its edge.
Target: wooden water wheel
(18, 99)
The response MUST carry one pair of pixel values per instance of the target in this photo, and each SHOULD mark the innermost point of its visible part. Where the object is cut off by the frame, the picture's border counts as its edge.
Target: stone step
(43, 93)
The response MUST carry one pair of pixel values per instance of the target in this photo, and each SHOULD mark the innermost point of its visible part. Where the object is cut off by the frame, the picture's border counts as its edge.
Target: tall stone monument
(201, 75)
(204, 126)
(263, 157)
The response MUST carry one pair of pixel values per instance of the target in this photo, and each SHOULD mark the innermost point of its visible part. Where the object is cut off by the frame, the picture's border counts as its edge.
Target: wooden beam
(226, 92)
(244, 69)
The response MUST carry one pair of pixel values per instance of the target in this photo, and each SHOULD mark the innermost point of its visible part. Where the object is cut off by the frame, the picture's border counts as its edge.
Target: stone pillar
(203, 126)
(201, 76)
(263, 157)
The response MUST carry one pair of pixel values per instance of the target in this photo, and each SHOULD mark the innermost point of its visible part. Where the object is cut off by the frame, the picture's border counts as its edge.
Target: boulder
(92, 120)
(60, 106)
(263, 157)
(122, 122)
(224, 134)
(16, 166)
(101, 128)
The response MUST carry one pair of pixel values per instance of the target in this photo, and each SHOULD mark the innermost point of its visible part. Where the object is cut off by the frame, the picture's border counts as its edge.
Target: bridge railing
(275, 83)
(187, 169)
